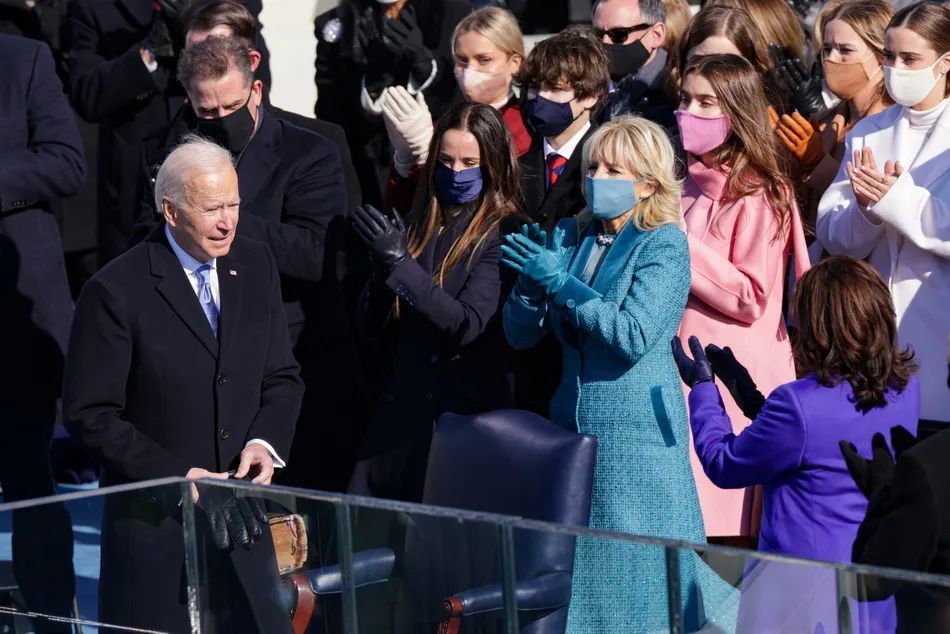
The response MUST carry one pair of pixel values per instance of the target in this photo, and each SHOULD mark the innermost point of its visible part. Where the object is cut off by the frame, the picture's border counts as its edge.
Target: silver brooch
(606, 239)
(332, 30)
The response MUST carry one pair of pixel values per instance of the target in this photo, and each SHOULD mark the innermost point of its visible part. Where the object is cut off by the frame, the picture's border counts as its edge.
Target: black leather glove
(233, 519)
(695, 370)
(736, 379)
(869, 475)
(803, 87)
(385, 238)
(403, 38)
(177, 12)
(159, 40)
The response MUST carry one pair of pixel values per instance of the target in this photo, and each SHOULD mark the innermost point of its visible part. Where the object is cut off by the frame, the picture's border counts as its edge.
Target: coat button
(222, 379)
(225, 433)
(571, 303)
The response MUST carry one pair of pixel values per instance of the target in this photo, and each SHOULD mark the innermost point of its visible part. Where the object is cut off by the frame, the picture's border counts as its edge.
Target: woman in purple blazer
(855, 383)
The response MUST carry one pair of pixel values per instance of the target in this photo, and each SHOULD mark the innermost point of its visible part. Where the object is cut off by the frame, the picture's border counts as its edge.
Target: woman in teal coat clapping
(612, 284)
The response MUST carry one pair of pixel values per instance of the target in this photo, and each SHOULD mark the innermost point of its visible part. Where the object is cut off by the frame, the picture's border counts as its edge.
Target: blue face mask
(457, 188)
(548, 118)
(610, 198)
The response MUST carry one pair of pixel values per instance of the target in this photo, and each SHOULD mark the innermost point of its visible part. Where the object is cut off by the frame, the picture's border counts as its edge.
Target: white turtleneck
(920, 125)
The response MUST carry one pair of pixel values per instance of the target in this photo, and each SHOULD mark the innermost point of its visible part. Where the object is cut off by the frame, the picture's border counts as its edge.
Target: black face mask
(232, 131)
(626, 59)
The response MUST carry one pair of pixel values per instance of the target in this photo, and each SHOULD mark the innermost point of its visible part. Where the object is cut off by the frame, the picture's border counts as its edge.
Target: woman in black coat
(437, 288)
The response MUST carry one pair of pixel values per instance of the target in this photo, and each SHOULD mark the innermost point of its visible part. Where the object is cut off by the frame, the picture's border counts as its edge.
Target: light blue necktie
(205, 296)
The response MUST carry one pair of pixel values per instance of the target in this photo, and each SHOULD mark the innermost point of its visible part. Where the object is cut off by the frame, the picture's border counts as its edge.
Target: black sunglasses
(618, 35)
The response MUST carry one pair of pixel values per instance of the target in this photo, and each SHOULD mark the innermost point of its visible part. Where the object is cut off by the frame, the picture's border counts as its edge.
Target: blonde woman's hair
(643, 148)
(868, 18)
(496, 25)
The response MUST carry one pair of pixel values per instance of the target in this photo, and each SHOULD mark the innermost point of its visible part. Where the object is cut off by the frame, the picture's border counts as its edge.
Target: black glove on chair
(695, 370)
(803, 87)
(233, 520)
(403, 38)
(736, 379)
(385, 238)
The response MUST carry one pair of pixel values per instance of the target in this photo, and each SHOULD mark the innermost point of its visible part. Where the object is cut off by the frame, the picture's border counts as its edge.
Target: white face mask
(482, 87)
(910, 87)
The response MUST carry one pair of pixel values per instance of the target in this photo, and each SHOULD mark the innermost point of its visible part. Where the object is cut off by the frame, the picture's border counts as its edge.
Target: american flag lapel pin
(232, 272)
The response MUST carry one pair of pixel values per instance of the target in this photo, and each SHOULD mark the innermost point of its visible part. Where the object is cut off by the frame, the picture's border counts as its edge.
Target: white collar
(187, 262)
(567, 150)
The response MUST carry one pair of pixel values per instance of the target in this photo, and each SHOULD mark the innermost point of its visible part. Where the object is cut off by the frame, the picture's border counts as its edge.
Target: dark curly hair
(847, 331)
(573, 57)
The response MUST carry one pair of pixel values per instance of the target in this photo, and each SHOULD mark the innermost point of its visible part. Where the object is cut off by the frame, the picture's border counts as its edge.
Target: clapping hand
(868, 183)
(736, 379)
(409, 126)
(695, 370)
(803, 87)
(385, 238)
(539, 265)
(800, 137)
(871, 476)
(403, 38)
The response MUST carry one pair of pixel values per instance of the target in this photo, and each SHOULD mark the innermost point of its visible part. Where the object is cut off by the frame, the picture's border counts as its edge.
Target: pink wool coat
(738, 275)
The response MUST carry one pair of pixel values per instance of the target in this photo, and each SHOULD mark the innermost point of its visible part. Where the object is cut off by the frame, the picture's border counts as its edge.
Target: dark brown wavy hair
(500, 194)
(751, 151)
(572, 56)
(847, 331)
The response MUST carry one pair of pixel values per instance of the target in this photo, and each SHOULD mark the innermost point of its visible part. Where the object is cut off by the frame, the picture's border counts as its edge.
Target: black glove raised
(385, 238)
(159, 40)
(803, 87)
(869, 475)
(403, 38)
(695, 370)
(233, 519)
(736, 379)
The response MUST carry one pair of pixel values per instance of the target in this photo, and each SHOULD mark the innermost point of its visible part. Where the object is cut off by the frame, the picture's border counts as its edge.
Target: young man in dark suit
(41, 159)
(566, 78)
(180, 364)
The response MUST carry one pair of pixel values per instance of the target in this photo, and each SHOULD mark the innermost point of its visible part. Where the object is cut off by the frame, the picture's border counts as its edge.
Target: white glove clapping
(409, 126)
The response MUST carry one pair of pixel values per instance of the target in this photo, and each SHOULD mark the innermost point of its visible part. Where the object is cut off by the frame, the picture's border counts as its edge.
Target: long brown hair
(777, 21)
(847, 331)
(736, 25)
(931, 22)
(499, 196)
(751, 151)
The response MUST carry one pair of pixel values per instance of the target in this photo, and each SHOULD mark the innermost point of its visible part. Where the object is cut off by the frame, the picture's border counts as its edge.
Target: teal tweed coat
(620, 384)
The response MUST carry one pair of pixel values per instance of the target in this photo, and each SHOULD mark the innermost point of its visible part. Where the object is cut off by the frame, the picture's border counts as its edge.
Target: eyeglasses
(618, 35)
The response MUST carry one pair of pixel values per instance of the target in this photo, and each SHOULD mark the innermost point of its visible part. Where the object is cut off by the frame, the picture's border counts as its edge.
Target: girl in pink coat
(742, 223)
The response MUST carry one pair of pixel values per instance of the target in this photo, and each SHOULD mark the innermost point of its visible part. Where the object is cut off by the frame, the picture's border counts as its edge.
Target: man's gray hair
(651, 11)
(195, 155)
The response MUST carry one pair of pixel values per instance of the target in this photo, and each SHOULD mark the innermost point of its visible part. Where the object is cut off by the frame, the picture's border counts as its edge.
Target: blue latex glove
(695, 370)
(536, 263)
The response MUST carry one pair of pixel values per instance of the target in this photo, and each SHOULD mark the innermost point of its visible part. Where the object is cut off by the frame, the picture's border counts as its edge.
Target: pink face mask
(701, 134)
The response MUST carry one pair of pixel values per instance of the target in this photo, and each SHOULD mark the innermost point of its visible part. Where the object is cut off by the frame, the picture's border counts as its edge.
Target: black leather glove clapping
(385, 238)
(869, 475)
(233, 519)
(803, 87)
(403, 37)
(159, 40)
(695, 370)
(736, 379)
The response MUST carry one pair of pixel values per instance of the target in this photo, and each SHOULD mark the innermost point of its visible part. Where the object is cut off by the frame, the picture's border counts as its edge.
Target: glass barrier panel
(88, 562)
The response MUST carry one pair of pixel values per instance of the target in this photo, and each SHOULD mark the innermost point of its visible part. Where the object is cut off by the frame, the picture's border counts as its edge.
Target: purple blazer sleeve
(772, 445)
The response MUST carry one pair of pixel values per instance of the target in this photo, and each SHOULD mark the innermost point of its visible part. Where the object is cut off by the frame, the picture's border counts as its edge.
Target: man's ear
(587, 103)
(255, 59)
(657, 36)
(169, 212)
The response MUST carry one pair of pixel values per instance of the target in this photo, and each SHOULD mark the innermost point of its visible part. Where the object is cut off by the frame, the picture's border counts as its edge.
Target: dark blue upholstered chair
(510, 462)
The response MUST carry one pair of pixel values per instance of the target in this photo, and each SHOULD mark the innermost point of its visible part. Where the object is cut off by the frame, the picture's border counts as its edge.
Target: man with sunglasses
(633, 33)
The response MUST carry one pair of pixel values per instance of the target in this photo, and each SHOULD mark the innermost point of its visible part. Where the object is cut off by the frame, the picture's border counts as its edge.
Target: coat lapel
(253, 176)
(568, 178)
(616, 259)
(231, 285)
(175, 288)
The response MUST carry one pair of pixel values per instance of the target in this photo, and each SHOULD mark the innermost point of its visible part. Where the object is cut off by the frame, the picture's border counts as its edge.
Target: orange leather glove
(801, 138)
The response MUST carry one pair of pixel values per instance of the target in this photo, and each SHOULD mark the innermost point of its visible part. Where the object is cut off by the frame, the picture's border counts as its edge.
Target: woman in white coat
(890, 203)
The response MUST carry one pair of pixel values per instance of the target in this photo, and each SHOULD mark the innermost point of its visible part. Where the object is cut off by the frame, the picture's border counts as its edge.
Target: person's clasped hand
(409, 126)
(800, 136)
(403, 37)
(868, 183)
(802, 87)
(737, 380)
(692, 371)
(539, 265)
(385, 238)
(234, 520)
